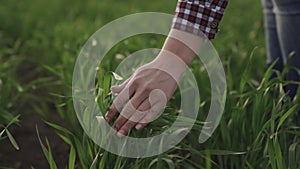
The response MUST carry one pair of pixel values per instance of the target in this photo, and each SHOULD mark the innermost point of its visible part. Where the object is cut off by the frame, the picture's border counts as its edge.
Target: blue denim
(282, 25)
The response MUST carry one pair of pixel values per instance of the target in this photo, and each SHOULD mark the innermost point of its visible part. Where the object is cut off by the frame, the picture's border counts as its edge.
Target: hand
(141, 97)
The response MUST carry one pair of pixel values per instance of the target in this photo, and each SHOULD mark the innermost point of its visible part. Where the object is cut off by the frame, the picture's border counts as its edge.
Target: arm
(140, 104)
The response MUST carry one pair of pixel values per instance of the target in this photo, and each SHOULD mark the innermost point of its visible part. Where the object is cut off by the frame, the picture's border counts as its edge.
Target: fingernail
(138, 127)
(121, 133)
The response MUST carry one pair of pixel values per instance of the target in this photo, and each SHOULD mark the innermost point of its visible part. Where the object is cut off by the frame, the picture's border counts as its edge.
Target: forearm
(183, 45)
(178, 52)
(193, 22)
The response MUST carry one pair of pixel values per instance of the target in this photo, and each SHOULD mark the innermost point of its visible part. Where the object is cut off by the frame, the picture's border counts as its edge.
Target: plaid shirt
(199, 16)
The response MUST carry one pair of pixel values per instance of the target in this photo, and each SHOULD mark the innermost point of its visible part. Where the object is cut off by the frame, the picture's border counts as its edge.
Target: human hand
(141, 97)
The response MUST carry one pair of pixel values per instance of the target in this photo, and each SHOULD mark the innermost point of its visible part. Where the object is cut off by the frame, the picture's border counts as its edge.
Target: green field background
(40, 41)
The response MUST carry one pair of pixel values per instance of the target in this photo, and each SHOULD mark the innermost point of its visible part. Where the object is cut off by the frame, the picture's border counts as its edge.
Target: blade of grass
(47, 153)
(12, 140)
(72, 158)
(94, 163)
(286, 115)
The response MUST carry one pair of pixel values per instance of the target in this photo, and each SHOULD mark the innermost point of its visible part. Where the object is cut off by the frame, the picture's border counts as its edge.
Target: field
(39, 43)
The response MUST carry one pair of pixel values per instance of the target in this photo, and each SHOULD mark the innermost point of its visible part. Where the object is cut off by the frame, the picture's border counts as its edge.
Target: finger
(110, 114)
(118, 103)
(137, 116)
(141, 111)
(129, 109)
(149, 117)
(119, 88)
(158, 101)
(121, 120)
(125, 128)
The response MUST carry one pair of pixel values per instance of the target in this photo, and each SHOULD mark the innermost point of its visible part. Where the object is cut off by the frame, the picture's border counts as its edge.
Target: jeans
(282, 27)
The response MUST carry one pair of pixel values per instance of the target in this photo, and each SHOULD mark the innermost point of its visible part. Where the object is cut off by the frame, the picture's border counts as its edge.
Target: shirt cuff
(199, 17)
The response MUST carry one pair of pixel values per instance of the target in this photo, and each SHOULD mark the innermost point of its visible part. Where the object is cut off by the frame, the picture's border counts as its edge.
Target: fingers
(151, 115)
(139, 111)
(118, 103)
(139, 101)
(136, 116)
(125, 114)
(129, 109)
(111, 113)
(158, 101)
(147, 111)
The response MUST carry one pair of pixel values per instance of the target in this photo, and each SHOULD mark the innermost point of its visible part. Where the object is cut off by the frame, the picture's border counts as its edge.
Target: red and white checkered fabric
(199, 16)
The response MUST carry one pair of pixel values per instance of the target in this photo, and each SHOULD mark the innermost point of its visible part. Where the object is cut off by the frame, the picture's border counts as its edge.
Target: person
(282, 26)
(196, 20)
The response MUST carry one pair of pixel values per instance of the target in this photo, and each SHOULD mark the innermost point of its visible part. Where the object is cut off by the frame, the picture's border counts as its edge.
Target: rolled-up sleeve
(199, 16)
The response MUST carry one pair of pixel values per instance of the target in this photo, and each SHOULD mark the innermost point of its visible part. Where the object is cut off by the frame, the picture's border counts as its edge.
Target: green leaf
(57, 127)
(103, 160)
(286, 115)
(12, 140)
(94, 163)
(72, 158)
(2, 132)
(223, 152)
(246, 73)
(47, 153)
(271, 154)
(14, 120)
(170, 163)
(278, 154)
(65, 139)
(292, 155)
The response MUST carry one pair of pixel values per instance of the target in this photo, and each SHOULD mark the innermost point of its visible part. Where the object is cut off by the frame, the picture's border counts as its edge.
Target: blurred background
(39, 43)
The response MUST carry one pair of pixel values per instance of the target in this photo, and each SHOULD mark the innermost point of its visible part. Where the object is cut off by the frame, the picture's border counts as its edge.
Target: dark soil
(30, 153)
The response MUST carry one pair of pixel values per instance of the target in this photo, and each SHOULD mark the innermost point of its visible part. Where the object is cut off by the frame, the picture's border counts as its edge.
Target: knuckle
(125, 113)
(134, 104)
(136, 82)
(131, 105)
(147, 88)
(118, 103)
(140, 113)
(145, 107)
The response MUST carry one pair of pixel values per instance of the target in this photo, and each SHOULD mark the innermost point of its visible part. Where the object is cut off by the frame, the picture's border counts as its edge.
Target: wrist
(169, 63)
(183, 44)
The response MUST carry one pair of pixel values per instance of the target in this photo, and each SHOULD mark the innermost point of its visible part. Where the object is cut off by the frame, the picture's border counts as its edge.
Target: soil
(30, 153)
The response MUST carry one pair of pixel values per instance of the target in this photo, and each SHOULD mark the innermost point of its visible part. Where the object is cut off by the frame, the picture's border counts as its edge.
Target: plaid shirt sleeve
(199, 16)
